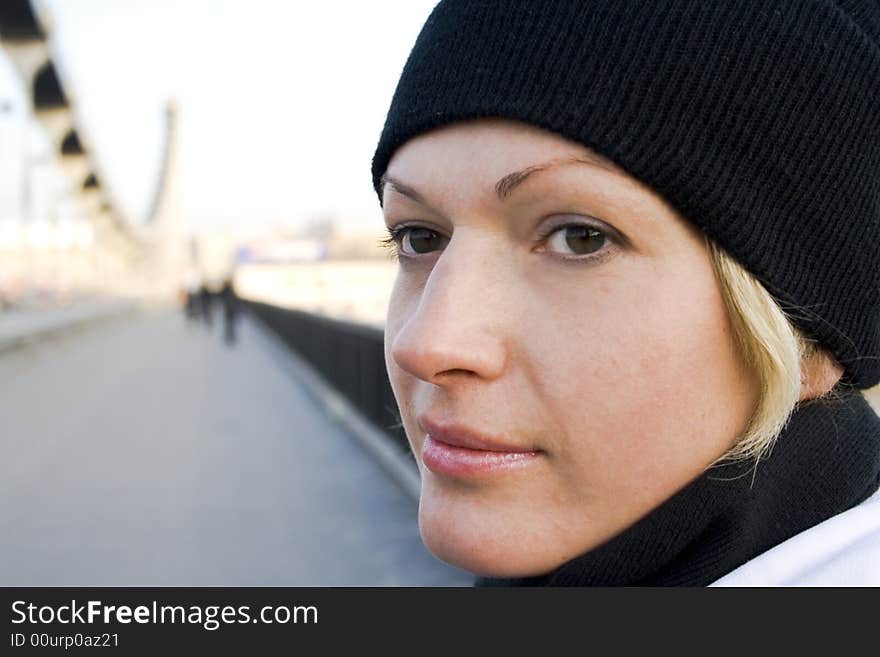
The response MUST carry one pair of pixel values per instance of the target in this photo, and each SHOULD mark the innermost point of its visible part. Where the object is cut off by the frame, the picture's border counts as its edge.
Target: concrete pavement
(18, 327)
(146, 452)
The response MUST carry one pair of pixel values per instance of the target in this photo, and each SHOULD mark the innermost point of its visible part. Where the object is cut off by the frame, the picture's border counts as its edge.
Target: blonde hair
(771, 345)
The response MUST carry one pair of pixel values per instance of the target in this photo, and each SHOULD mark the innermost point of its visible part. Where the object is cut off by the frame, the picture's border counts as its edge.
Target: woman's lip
(459, 435)
(453, 460)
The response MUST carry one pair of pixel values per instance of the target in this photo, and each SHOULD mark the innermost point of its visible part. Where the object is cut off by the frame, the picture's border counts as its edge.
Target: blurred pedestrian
(191, 295)
(229, 299)
(205, 299)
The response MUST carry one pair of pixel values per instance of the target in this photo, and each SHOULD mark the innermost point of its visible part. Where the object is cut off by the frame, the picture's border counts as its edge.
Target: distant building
(282, 251)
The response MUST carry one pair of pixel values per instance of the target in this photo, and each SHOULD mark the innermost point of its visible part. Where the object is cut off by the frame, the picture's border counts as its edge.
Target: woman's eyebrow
(401, 188)
(506, 186)
(508, 183)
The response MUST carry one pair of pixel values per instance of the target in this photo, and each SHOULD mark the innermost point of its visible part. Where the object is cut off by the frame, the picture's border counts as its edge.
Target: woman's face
(557, 344)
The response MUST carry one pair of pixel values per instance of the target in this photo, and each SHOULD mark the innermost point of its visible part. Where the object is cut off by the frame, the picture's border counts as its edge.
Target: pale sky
(281, 102)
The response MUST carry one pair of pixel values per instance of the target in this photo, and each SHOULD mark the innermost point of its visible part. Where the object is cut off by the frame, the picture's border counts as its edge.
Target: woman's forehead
(497, 154)
(487, 139)
(492, 159)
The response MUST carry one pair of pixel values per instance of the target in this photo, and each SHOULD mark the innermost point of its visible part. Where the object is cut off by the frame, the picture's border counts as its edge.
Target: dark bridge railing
(349, 356)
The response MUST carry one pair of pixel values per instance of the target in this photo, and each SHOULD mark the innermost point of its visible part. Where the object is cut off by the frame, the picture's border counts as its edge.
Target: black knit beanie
(758, 120)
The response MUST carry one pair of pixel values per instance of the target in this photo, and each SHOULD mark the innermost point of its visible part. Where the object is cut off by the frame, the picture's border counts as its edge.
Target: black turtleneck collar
(825, 461)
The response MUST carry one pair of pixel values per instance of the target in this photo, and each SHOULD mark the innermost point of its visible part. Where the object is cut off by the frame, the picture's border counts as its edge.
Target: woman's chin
(484, 543)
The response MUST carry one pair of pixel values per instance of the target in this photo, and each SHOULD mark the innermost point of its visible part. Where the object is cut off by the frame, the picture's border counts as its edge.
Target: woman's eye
(570, 240)
(414, 240)
(576, 239)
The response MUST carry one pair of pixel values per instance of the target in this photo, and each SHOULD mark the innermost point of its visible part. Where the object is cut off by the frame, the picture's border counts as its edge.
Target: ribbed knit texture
(758, 120)
(826, 461)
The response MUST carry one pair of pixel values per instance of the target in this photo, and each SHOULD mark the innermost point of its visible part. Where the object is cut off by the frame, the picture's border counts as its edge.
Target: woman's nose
(458, 328)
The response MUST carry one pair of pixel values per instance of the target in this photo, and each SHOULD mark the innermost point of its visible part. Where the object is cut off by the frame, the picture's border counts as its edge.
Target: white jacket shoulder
(842, 551)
